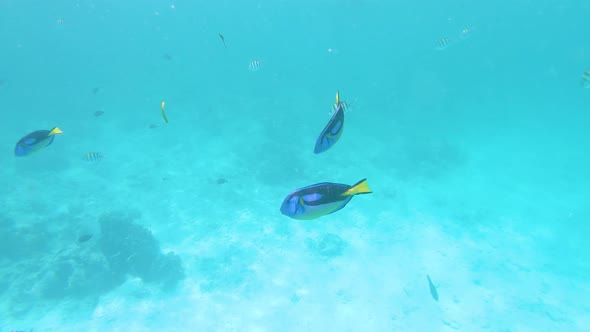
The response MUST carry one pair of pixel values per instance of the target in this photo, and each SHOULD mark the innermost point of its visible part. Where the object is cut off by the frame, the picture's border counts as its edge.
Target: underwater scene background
(468, 118)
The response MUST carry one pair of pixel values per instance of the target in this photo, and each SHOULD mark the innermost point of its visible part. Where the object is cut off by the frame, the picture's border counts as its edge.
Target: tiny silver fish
(465, 33)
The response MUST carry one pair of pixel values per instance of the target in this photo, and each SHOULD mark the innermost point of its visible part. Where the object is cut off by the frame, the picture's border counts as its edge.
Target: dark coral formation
(77, 273)
(131, 249)
(40, 263)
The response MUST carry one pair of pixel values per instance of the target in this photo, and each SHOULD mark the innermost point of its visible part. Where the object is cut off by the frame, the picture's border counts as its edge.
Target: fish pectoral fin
(360, 187)
(55, 131)
(301, 202)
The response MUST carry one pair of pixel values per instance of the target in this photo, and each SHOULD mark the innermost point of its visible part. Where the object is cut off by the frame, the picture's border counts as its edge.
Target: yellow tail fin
(361, 187)
(55, 131)
(337, 97)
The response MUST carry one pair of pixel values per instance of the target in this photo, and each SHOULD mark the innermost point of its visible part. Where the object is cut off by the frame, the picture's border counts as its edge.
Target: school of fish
(306, 203)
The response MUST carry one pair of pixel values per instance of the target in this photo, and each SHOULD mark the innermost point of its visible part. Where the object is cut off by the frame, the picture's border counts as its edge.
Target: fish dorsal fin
(360, 187)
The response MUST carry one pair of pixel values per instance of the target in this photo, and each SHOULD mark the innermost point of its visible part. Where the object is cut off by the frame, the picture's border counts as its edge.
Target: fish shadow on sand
(326, 246)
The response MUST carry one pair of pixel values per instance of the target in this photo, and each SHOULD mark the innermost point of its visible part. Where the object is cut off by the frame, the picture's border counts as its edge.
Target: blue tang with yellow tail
(35, 141)
(333, 130)
(321, 199)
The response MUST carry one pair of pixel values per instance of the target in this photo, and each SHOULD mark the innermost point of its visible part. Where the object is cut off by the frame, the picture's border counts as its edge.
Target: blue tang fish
(321, 199)
(333, 129)
(35, 141)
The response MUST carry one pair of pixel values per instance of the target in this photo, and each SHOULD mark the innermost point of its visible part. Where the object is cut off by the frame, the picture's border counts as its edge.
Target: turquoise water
(477, 155)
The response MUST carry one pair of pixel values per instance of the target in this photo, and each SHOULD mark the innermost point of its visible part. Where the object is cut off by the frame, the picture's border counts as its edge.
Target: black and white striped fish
(93, 156)
(346, 105)
(442, 43)
(255, 65)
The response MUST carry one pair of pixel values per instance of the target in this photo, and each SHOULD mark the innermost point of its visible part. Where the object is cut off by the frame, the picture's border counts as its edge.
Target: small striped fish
(340, 103)
(254, 65)
(345, 104)
(93, 156)
(442, 43)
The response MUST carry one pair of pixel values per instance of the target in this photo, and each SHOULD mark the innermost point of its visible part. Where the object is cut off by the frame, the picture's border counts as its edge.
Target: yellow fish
(162, 106)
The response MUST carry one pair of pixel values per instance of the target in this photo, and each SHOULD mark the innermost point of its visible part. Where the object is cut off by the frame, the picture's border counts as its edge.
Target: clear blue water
(477, 155)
